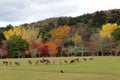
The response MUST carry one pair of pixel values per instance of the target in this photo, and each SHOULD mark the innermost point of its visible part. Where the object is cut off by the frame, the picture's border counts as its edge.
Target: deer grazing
(77, 60)
(5, 63)
(72, 61)
(84, 59)
(46, 61)
(66, 61)
(36, 62)
(30, 62)
(17, 63)
(91, 58)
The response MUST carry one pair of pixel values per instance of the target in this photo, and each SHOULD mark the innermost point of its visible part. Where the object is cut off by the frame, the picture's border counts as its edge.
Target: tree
(69, 43)
(34, 48)
(85, 19)
(2, 37)
(44, 30)
(115, 17)
(99, 18)
(86, 33)
(49, 49)
(107, 29)
(76, 38)
(52, 48)
(106, 45)
(71, 21)
(116, 34)
(79, 50)
(106, 40)
(9, 27)
(59, 34)
(61, 21)
(29, 34)
(16, 46)
(3, 52)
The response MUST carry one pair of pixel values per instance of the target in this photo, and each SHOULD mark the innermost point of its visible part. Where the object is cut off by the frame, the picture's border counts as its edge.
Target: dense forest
(94, 34)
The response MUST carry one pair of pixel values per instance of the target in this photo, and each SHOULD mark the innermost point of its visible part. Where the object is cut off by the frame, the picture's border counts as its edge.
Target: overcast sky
(17, 12)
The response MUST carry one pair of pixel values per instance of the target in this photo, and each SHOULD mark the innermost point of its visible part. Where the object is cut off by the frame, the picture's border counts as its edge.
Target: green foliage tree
(72, 21)
(16, 46)
(2, 37)
(116, 34)
(62, 21)
(87, 33)
(9, 27)
(69, 43)
(44, 30)
(86, 19)
(99, 19)
(113, 18)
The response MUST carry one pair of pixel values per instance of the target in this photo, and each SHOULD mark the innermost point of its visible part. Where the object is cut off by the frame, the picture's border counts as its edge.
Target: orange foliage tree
(59, 34)
(49, 49)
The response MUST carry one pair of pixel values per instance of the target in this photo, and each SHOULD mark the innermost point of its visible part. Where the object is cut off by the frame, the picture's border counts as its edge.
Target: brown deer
(66, 61)
(77, 60)
(72, 61)
(30, 62)
(17, 63)
(36, 63)
(5, 63)
(84, 59)
(91, 58)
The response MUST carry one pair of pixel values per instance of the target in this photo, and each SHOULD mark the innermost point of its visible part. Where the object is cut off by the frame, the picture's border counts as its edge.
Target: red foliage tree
(3, 52)
(45, 50)
(49, 49)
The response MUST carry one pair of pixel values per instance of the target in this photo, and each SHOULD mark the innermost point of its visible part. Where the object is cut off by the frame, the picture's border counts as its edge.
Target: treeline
(94, 20)
(90, 34)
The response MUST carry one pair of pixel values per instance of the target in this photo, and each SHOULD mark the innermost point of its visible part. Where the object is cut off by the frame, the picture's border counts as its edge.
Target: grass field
(100, 68)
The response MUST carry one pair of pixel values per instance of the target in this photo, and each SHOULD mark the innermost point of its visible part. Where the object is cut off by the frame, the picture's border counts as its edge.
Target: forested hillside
(89, 34)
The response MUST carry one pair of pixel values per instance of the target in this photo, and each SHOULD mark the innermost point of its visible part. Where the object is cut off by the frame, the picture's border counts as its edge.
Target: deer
(84, 59)
(30, 62)
(17, 63)
(66, 61)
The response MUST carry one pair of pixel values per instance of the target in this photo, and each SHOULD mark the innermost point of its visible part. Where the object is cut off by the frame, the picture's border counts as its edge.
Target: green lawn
(101, 68)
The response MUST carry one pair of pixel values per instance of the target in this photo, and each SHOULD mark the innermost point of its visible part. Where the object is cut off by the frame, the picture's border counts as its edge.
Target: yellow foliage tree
(107, 29)
(14, 31)
(58, 34)
(29, 34)
(76, 38)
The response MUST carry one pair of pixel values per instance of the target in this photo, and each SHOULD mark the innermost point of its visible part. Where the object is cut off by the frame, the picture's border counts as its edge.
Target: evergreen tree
(16, 46)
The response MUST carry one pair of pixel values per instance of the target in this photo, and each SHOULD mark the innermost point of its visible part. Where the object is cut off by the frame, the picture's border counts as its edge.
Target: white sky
(17, 12)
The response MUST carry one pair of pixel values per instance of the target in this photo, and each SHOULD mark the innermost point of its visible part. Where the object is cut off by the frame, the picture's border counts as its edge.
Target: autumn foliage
(3, 52)
(76, 38)
(28, 34)
(58, 34)
(107, 29)
(49, 49)
(60, 39)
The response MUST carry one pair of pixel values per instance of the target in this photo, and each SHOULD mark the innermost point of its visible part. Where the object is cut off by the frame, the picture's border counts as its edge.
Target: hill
(84, 33)
(95, 19)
